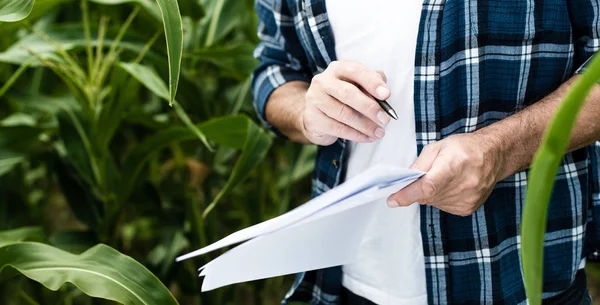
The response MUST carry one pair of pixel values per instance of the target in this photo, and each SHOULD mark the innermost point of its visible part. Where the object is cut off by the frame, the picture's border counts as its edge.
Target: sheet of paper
(380, 174)
(328, 238)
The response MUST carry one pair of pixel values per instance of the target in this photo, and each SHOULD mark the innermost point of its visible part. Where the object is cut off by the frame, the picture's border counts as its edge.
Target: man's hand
(338, 104)
(461, 171)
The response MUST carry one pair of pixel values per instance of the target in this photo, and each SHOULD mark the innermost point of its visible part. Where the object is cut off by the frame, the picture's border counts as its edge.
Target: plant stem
(88, 41)
(15, 76)
(27, 298)
(147, 47)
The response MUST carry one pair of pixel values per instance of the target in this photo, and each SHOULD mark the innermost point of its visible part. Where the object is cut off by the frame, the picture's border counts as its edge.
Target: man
(474, 83)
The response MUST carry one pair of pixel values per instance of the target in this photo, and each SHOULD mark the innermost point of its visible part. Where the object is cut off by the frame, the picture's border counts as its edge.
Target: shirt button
(335, 163)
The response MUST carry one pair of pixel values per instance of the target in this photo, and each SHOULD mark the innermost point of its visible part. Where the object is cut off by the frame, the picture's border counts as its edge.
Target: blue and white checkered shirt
(477, 62)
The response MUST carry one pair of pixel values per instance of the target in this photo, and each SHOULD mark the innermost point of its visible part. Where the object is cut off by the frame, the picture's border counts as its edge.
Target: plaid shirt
(477, 62)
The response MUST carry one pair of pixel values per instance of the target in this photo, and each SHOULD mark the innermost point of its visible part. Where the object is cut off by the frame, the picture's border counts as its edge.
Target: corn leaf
(21, 234)
(69, 37)
(148, 5)
(231, 131)
(541, 180)
(174, 36)
(148, 77)
(100, 272)
(256, 146)
(15, 10)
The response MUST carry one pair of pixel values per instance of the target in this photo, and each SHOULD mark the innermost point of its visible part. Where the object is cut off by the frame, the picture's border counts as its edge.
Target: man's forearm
(284, 110)
(520, 135)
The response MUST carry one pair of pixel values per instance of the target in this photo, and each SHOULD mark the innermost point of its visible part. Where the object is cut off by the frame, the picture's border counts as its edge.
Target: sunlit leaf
(100, 272)
(18, 119)
(541, 180)
(69, 37)
(15, 10)
(150, 6)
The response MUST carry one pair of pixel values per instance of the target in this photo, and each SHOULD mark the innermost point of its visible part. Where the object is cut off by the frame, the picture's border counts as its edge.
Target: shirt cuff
(268, 81)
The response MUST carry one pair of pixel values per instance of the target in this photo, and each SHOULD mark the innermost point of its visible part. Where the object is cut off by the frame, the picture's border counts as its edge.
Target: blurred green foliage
(91, 151)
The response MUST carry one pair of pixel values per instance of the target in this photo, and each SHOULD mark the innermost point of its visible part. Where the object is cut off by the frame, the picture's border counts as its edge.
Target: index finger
(359, 74)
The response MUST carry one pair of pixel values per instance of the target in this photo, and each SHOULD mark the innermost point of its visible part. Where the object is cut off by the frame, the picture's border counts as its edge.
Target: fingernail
(383, 92)
(379, 133)
(392, 203)
(383, 117)
(371, 139)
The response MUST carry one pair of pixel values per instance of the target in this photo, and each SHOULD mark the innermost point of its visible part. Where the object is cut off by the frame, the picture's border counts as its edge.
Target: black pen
(388, 109)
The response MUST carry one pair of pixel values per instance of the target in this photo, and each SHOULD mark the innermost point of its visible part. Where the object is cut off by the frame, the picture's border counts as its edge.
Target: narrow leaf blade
(174, 35)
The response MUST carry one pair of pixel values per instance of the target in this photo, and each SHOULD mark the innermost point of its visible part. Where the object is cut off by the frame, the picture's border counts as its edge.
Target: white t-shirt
(382, 34)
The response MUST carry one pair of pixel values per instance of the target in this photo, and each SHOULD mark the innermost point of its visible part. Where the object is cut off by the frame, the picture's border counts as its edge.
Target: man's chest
(457, 24)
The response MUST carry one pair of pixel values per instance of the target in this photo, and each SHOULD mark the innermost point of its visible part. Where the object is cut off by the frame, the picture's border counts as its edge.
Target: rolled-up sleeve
(585, 22)
(281, 56)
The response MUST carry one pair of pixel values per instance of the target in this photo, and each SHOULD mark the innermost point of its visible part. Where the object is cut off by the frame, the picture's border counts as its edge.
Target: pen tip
(393, 114)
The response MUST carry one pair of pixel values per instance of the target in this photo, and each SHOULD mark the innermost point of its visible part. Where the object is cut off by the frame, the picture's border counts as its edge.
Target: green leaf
(173, 243)
(222, 16)
(73, 241)
(21, 234)
(149, 6)
(100, 272)
(232, 131)
(154, 83)
(15, 10)
(9, 159)
(541, 180)
(304, 165)
(78, 191)
(255, 148)
(69, 37)
(16, 143)
(148, 77)
(174, 36)
(18, 119)
(235, 60)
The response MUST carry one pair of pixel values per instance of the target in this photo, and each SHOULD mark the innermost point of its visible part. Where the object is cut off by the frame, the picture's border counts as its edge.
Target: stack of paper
(324, 232)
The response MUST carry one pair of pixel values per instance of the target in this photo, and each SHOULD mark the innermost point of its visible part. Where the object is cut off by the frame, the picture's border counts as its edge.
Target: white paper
(378, 175)
(324, 232)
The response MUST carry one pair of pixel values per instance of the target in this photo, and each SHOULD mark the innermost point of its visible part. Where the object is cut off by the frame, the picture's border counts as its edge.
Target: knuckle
(372, 109)
(318, 79)
(345, 114)
(425, 201)
(353, 69)
(345, 91)
(375, 81)
(459, 162)
(339, 128)
(429, 148)
(471, 183)
(429, 188)
(334, 65)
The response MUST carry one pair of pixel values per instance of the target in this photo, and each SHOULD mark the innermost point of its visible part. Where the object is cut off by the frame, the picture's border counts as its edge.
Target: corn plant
(541, 179)
(96, 148)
